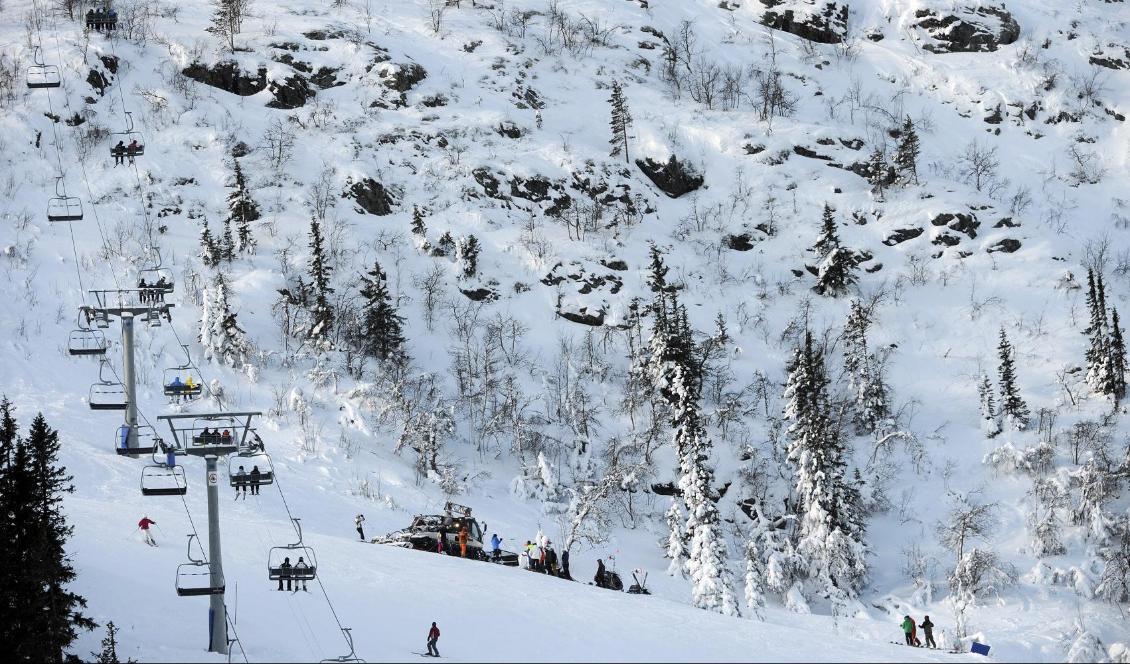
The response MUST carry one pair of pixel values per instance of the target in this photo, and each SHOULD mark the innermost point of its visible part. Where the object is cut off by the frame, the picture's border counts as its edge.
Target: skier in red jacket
(144, 526)
(433, 636)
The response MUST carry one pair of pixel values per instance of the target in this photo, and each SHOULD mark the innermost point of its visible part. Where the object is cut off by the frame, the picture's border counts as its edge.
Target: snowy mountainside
(491, 120)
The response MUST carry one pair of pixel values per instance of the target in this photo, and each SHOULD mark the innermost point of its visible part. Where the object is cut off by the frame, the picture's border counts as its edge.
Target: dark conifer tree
(469, 249)
(445, 245)
(906, 155)
(621, 120)
(836, 274)
(829, 240)
(1012, 407)
(227, 242)
(877, 171)
(381, 325)
(109, 653)
(657, 271)
(323, 313)
(45, 616)
(418, 227)
(242, 210)
(209, 251)
(1117, 355)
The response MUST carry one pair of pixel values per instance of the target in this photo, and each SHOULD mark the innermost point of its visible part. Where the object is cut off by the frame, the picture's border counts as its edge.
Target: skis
(424, 654)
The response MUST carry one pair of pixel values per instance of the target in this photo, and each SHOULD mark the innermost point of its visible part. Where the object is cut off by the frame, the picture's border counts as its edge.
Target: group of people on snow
(540, 556)
(462, 536)
(911, 632)
(102, 19)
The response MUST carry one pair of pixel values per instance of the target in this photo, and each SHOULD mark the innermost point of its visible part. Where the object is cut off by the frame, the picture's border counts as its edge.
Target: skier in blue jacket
(495, 547)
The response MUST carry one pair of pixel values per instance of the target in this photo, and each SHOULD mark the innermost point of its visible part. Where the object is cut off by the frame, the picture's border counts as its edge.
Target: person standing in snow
(550, 560)
(599, 578)
(495, 547)
(441, 540)
(433, 638)
(144, 526)
(360, 519)
(908, 630)
(914, 633)
(463, 534)
(523, 559)
(565, 565)
(928, 630)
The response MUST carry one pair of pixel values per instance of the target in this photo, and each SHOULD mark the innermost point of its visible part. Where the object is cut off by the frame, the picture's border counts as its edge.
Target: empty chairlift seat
(146, 442)
(107, 396)
(62, 207)
(87, 342)
(163, 481)
(40, 75)
(194, 580)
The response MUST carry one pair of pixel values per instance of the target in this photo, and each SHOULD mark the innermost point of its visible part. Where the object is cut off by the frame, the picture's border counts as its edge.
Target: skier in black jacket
(599, 578)
(928, 630)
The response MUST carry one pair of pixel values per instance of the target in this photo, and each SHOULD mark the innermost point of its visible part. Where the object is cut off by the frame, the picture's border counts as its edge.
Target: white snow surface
(941, 314)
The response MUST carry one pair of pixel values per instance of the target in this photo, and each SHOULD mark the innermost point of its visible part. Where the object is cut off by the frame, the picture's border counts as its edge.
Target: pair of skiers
(154, 292)
(180, 389)
(286, 572)
(461, 538)
(121, 151)
(241, 480)
(911, 634)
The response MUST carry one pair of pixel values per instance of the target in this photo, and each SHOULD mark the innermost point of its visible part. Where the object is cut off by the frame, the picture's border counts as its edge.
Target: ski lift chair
(162, 480)
(216, 425)
(126, 137)
(154, 274)
(107, 395)
(146, 441)
(278, 554)
(250, 460)
(40, 75)
(173, 387)
(351, 656)
(194, 578)
(62, 207)
(153, 317)
(87, 342)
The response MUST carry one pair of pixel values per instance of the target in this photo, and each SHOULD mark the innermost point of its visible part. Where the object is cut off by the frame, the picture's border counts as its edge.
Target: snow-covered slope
(506, 138)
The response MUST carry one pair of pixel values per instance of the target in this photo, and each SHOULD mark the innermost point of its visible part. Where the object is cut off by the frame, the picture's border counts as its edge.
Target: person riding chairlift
(119, 153)
(133, 149)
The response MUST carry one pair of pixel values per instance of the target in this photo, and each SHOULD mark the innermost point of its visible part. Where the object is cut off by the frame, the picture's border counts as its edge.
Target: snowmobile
(424, 534)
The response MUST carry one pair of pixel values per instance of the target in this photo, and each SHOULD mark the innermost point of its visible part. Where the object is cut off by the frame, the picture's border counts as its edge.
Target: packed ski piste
(567, 330)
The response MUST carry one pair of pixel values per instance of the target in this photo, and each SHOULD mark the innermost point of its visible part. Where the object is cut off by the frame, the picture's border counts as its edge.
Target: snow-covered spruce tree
(1116, 359)
(1097, 487)
(469, 249)
(220, 335)
(1012, 408)
(445, 245)
(676, 539)
(707, 558)
(657, 271)
(772, 565)
(990, 419)
(1114, 581)
(1049, 496)
(829, 239)
(872, 398)
(975, 570)
(209, 251)
(242, 210)
(906, 155)
(836, 273)
(855, 344)
(829, 535)
(381, 325)
(877, 171)
(322, 314)
(621, 120)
